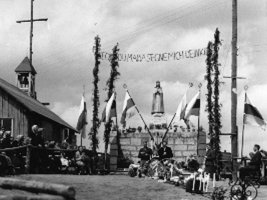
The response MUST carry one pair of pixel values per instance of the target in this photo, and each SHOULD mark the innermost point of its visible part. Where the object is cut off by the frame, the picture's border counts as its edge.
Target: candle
(208, 180)
(194, 182)
(200, 181)
(171, 169)
(204, 181)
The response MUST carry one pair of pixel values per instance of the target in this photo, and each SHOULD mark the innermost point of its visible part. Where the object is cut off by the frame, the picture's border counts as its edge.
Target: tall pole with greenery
(213, 104)
(114, 74)
(96, 103)
(217, 105)
(209, 106)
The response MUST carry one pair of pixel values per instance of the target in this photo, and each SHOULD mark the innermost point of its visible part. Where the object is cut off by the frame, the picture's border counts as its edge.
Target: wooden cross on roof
(31, 20)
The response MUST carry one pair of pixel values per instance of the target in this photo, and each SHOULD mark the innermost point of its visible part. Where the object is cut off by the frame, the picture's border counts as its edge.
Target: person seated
(7, 142)
(79, 158)
(17, 156)
(145, 155)
(6, 165)
(86, 158)
(165, 151)
(192, 163)
(2, 134)
(254, 164)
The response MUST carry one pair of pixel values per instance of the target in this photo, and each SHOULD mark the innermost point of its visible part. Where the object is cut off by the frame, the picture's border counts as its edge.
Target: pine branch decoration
(209, 70)
(114, 75)
(96, 102)
(216, 98)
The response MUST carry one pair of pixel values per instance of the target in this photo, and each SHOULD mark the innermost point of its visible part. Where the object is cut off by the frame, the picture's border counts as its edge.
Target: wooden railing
(29, 148)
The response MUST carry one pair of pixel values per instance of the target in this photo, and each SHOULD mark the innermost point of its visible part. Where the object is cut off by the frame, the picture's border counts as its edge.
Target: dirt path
(119, 187)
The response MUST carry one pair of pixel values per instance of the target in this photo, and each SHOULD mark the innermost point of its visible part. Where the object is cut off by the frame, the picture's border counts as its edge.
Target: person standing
(37, 155)
(36, 136)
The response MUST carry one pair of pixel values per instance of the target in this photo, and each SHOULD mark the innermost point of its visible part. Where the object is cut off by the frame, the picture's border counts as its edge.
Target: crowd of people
(45, 156)
(160, 163)
(253, 168)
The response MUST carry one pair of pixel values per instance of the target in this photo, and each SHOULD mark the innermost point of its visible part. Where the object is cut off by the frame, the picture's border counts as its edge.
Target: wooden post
(234, 137)
(28, 159)
(31, 32)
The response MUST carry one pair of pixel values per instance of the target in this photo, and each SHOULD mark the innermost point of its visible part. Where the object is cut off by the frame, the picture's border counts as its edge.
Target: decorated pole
(114, 75)
(95, 119)
(216, 100)
(146, 127)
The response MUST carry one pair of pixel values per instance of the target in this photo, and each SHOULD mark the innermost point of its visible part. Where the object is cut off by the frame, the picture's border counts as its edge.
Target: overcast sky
(63, 56)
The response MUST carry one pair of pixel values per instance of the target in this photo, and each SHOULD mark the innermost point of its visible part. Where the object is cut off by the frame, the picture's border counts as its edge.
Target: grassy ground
(116, 187)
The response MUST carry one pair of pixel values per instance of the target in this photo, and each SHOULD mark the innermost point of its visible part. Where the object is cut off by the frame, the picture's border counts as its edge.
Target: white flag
(180, 113)
(193, 106)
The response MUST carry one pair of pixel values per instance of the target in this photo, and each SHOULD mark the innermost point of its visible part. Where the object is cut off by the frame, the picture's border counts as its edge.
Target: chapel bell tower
(25, 77)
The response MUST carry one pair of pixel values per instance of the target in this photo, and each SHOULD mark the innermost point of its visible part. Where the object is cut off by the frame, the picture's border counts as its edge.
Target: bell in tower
(26, 77)
(157, 103)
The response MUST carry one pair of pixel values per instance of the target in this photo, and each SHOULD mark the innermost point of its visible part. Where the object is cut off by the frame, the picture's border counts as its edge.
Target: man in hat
(165, 151)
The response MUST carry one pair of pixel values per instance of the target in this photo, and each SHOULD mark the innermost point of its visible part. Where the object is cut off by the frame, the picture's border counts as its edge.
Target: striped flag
(252, 116)
(128, 109)
(193, 107)
(82, 120)
(180, 113)
(110, 109)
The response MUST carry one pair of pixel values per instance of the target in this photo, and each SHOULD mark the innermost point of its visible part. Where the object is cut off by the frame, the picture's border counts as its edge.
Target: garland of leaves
(114, 74)
(217, 105)
(96, 103)
(209, 106)
(213, 106)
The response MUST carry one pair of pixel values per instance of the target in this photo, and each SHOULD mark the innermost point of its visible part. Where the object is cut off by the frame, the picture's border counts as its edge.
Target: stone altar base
(183, 144)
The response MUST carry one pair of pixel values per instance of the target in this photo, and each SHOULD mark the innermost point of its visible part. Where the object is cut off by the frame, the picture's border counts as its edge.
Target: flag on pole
(193, 107)
(180, 113)
(82, 120)
(110, 109)
(128, 108)
(252, 116)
